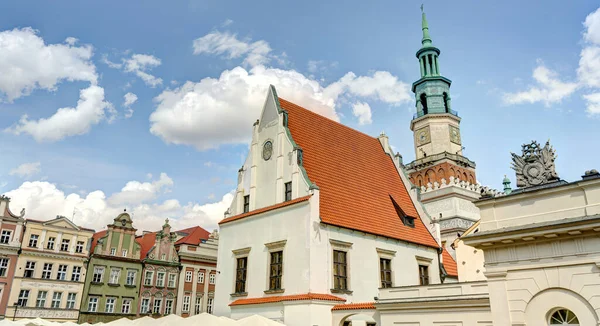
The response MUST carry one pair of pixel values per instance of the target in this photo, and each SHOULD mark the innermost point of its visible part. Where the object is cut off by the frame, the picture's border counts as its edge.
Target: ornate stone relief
(535, 166)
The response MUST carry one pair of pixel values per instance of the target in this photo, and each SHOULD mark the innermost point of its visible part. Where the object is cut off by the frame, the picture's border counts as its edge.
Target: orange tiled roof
(146, 241)
(280, 298)
(449, 264)
(357, 179)
(95, 239)
(354, 306)
(265, 209)
(195, 235)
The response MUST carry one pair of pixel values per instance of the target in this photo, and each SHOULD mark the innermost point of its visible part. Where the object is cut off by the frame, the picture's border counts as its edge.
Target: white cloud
(227, 22)
(28, 63)
(550, 89)
(91, 109)
(139, 64)
(592, 25)
(136, 192)
(589, 67)
(225, 43)
(129, 99)
(593, 103)
(26, 169)
(362, 111)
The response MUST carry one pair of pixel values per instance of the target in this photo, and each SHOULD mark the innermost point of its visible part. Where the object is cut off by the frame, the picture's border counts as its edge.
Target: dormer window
(246, 203)
(406, 220)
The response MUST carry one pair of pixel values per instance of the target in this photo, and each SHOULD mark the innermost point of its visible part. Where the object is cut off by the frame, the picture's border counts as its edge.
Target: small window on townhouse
(56, 300)
(93, 304)
(109, 306)
(163, 257)
(79, 247)
(423, 275)
(33, 240)
(240, 277)
(47, 271)
(276, 270)
(160, 279)
(211, 278)
(50, 243)
(200, 277)
(3, 267)
(288, 191)
(64, 246)
(209, 305)
(148, 278)
(124, 253)
(76, 274)
(71, 300)
(29, 269)
(145, 306)
(98, 275)
(246, 203)
(23, 297)
(157, 306)
(41, 299)
(198, 306)
(115, 275)
(186, 303)
(406, 220)
(340, 270)
(113, 251)
(385, 268)
(61, 275)
(188, 276)
(130, 277)
(169, 306)
(5, 237)
(126, 306)
(172, 280)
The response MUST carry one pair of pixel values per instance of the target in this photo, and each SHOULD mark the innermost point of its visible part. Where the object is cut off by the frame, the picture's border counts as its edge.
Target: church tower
(436, 127)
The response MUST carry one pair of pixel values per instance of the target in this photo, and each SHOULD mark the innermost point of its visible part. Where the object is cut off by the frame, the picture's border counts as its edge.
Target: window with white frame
(115, 273)
(29, 269)
(40, 302)
(5, 237)
(56, 299)
(50, 243)
(23, 297)
(71, 299)
(113, 251)
(163, 257)
(3, 267)
(33, 240)
(200, 277)
(211, 278)
(79, 247)
(109, 306)
(98, 274)
(160, 279)
(145, 306)
(188, 276)
(76, 274)
(172, 280)
(64, 246)
(157, 305)
(169, 306)
(185, 307)
(198, 306)
(61, 275)
(209, 305)
(148, 278)
(130, 277)
(47, 271)
(124, 253)
(93, 304)
(126, 306)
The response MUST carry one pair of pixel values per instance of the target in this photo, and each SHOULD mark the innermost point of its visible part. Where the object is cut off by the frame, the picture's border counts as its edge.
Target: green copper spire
(426, 41)
(506, 183)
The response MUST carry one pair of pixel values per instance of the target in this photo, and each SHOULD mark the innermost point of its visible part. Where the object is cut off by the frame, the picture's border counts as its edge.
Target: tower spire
(426, 41)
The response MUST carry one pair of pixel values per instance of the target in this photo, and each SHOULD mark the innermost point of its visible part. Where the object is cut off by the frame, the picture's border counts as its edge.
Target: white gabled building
(322, 217)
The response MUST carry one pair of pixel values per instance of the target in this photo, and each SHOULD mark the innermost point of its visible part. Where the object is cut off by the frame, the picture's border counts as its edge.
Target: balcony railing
(421, 113)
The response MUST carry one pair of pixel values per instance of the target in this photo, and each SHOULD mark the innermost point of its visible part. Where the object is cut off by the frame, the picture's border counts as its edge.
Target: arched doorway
(358, 320)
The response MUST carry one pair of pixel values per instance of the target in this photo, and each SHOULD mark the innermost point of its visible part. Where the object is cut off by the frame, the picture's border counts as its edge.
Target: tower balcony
(421, 113)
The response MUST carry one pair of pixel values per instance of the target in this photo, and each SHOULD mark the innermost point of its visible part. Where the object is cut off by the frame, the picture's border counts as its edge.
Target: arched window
(424, 102)
(445, 102)
(563, 317)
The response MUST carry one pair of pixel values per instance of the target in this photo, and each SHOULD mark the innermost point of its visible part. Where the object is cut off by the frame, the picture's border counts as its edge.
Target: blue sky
(518, 69)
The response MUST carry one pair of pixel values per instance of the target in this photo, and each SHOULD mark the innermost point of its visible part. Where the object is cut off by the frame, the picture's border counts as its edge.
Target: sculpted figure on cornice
(535, 166)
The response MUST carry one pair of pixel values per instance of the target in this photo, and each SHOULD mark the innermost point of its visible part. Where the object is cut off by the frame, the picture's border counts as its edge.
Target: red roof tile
(449, 263)
(95, 239)
(146, 241)
(195, 235)
(265, 209)
(354, 306)
(280, 298)
(357, 179)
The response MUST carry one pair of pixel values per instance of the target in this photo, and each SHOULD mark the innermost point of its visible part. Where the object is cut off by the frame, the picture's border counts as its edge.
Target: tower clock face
(267, 150)
(454, 135)
(423, 136)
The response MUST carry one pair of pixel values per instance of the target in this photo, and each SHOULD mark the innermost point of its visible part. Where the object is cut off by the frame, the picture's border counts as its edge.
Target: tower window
(446, 102)
(246, 203)
(424, 103)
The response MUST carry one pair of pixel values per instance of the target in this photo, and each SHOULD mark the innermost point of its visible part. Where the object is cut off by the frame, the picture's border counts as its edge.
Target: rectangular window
(340, 276)
(198, 306)
(131, 277)
(79, 247)
(5, 237)
(209, 305)
(33, 239)
(246, 203)
(29, 269)
(276, 270)
(93, 304)
(115, 274)
(71, 299)
(211, 278)
(160, 279)
(188, 276)
(64, 246)
(23, 297)
(56, 299)
(200, 277)
(76, 274)
(240, 277)
(62, 272)
(186, 304)
(124, 253)
(172, 280)
(3, 267)
(288, 191)
(145, 306)
(47, 271)
(169, 306)
(50, 243)
(385, 267)
(113, 251)
(126, 306)
(41, 299)
(148, 278)
(157, 305)
(424, 275)
(109, 307)
(163, 257)
(98, 275)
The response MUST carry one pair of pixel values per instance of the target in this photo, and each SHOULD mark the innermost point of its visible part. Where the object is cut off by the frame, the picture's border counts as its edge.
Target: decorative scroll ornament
(535, 166)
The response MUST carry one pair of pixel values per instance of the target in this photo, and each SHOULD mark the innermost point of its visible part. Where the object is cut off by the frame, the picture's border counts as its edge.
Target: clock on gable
(267, 150)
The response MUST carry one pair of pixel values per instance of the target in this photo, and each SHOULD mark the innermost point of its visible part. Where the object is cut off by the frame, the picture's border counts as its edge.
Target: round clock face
(123, 222)
(422, 136)
(267, 150)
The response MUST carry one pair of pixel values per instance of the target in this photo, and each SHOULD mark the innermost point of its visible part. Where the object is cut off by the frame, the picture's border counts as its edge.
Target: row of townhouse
(60, 271)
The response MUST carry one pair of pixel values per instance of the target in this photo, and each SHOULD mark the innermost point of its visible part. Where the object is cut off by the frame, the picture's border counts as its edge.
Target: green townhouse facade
(114, 273)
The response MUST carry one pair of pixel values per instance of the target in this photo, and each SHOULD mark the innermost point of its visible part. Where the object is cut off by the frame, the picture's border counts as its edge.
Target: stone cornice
(52, 254)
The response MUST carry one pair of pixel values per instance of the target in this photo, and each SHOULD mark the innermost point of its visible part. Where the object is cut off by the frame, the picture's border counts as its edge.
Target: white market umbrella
(257, 320)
